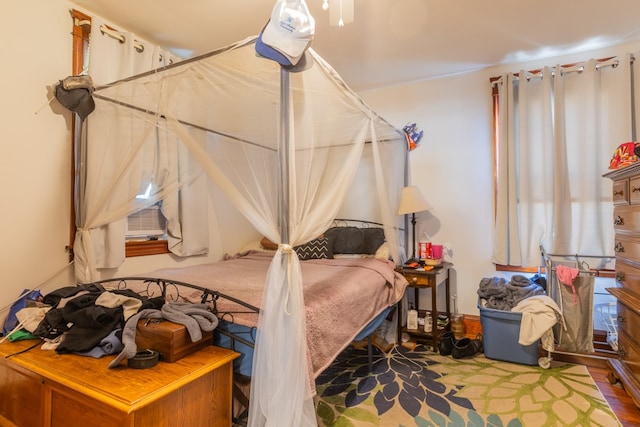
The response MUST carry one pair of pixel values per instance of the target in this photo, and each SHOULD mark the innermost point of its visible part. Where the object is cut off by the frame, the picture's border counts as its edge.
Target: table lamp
(412, 201)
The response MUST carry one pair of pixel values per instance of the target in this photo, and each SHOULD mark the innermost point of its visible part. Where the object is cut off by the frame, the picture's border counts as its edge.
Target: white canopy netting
(283, 146)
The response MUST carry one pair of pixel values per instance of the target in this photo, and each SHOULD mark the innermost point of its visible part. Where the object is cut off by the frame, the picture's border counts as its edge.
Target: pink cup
(436, 251)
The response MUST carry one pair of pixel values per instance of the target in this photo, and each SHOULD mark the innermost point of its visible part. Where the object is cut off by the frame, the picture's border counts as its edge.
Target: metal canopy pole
(284, 156)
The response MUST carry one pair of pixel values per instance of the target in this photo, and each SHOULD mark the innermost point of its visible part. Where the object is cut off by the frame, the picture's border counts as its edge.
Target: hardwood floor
(627, 412)
(621, 403)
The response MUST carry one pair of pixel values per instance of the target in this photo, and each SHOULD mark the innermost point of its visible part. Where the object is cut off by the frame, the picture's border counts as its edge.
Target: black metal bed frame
(158, 287)
(169, 290)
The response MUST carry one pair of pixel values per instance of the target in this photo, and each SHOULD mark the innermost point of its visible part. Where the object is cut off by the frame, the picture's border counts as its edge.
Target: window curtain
(284, 148)
(108, 181)
(557, 131)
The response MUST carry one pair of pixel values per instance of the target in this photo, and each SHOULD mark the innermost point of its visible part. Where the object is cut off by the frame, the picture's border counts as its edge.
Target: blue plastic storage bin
(501, 330)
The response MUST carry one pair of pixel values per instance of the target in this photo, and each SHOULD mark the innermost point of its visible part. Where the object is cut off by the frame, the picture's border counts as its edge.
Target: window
(154, 243)
(555, 131)
(147, 224)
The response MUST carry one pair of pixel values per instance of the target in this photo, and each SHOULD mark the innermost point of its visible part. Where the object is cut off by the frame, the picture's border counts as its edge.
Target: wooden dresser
(626, 219)
(43, 388)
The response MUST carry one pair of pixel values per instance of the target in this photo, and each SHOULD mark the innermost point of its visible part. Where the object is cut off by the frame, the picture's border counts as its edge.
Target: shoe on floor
(466, 347)
(446, 343)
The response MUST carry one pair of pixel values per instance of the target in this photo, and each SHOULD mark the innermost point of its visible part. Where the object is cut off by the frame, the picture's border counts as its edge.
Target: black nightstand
(420, 279)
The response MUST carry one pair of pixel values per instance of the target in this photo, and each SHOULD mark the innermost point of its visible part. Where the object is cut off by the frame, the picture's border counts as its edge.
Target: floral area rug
(421, 388)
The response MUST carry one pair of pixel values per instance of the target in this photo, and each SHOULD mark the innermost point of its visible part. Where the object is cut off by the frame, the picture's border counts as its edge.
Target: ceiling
(392, 41)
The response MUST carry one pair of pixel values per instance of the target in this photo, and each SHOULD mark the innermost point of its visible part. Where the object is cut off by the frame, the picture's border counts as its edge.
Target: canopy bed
(289, 149)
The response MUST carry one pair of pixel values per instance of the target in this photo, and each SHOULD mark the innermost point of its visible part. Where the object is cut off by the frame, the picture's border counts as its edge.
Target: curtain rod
(106, 30)
(114, 34)
(576, 67)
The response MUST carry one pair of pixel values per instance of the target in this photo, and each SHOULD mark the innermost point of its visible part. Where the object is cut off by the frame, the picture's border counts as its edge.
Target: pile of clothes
(92, 321)
(499, 294)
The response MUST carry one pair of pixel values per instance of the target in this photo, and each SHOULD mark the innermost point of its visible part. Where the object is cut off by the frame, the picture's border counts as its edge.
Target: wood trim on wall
(146, 247)
(81, 35)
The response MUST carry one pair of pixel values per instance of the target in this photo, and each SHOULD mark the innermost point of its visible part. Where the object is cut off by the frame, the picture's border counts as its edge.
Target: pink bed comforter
(341, 295)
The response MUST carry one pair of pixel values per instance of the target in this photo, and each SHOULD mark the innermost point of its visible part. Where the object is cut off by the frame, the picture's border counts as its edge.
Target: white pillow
(252, 246)
(352, 256)
(383, 251)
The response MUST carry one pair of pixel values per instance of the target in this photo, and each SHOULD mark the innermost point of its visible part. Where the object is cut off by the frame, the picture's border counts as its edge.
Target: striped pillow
(315, 249)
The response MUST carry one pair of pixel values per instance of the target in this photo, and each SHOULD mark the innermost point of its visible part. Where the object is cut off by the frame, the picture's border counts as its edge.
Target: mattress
(342, 296)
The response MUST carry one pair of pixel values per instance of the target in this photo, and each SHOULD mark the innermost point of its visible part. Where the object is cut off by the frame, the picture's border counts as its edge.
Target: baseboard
(588, 359)
(472, 325)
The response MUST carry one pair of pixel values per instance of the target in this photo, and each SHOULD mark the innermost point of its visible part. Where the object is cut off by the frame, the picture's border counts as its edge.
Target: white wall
(452, 167)
(35, 151)
(35, 155)
(453, 163)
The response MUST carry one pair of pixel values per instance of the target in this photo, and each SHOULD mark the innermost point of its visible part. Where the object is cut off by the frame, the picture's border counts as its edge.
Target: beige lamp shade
(412, 200)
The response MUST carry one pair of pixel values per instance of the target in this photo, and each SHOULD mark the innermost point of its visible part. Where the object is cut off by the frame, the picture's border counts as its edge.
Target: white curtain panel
(112, 59)
(284, 148)
(102, 245)
(558, 130)
(110, 178)
(182, 186)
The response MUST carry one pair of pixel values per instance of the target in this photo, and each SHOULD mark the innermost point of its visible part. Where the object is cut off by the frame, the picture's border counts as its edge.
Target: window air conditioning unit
(148, 222)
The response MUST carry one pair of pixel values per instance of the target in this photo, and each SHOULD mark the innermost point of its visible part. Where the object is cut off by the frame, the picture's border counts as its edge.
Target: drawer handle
(619, 247)
(635, 189)
(415, 280)
(618, 221)
(622, 353)
(620, 276)
(618, 193)
(621, 318)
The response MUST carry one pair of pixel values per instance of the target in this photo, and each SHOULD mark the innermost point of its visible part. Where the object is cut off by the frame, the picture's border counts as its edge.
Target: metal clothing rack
(554, 290)
(577, 258)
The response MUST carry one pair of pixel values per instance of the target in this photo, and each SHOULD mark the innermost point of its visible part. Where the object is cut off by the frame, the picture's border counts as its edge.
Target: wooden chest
(170, 339)
(41, 388)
